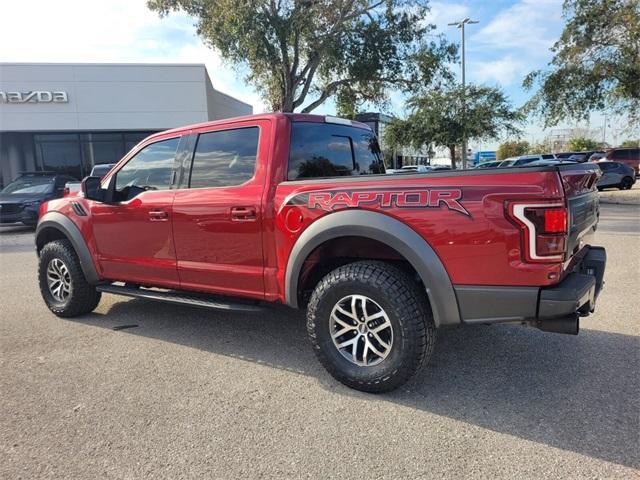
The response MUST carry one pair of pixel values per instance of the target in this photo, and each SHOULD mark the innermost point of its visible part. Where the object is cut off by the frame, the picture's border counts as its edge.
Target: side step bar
(180, 298)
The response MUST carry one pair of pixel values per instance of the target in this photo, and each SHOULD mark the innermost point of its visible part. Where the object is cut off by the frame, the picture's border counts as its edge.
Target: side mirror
(91, 189)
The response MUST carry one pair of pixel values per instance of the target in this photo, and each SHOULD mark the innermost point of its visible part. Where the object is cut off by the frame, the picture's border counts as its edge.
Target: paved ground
(193, 394)
(628, 197)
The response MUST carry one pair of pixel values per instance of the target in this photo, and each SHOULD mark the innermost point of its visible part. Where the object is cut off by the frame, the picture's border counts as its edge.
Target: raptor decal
(410, 198)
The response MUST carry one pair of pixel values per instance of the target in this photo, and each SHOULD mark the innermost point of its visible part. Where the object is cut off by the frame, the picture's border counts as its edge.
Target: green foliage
(540, 147)
(437, 116)
(581, 144)
(346, 103)
(596, 64)
(299, 53)
(512, 148)
(630, 144)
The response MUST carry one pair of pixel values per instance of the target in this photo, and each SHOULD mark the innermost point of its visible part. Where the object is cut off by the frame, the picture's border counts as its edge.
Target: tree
(512, 148)
(436, 116)
(540, 147)
(630, 144)
(299, 53)
(596, 64)
(582, 144)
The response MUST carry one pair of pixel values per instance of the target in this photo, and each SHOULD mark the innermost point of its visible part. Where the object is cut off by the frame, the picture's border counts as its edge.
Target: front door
(133, 233)
(217, 212)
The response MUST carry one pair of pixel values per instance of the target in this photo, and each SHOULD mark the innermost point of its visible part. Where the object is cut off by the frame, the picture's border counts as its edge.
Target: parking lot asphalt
(189, 393)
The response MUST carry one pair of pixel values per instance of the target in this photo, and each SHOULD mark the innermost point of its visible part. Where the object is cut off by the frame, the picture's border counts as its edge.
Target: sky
(512, 39)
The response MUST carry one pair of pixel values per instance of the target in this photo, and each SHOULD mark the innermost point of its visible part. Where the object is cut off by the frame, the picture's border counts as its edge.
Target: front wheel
(370, 325)
(62, 283)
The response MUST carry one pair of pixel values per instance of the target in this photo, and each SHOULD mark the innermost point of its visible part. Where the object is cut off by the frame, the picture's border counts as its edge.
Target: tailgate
(579, 184)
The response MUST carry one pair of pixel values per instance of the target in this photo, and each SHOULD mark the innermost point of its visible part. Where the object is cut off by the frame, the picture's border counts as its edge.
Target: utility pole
(460, 25)
(604, 131)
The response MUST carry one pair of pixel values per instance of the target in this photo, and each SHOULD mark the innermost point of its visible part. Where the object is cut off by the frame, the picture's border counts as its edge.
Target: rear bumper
(554, 309)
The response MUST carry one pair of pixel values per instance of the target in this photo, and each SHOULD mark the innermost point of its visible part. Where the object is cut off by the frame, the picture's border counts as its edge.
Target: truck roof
(294, 117)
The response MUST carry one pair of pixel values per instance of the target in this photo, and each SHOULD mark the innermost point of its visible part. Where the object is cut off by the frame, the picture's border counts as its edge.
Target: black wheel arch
(56, 226)
(389, 231)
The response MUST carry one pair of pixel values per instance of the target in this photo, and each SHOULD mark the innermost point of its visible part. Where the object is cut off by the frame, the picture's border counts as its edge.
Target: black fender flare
(65, 225)
(392, 232)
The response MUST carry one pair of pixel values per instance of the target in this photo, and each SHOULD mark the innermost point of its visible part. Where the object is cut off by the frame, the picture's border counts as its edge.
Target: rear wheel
(370, 325)
(62, 283)
(626, 183)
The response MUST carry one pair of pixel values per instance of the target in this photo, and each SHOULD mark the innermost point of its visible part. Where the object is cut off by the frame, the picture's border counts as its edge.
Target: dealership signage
(35, 96)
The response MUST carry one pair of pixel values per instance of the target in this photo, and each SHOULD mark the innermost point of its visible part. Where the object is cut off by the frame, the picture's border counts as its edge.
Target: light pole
(460, 25)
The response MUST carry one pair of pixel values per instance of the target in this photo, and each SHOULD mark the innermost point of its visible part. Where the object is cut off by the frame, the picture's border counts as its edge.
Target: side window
(368, 155)
(605, 167)
(224, 158)
(620, 154)
(150, 168)
(327, 150)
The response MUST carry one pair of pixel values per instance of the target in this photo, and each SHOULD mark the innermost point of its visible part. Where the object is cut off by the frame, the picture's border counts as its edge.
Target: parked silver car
(525, 159)
(616, 175)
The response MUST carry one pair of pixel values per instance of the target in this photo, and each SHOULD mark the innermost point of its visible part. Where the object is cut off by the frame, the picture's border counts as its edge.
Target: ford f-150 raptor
(296, 209)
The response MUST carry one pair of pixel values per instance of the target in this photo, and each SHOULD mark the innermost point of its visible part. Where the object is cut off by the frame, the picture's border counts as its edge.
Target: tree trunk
(452, 151)
(288, 97)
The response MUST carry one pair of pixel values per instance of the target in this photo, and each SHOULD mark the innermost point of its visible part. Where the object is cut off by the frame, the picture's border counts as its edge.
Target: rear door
(610, 174)
(218, 212)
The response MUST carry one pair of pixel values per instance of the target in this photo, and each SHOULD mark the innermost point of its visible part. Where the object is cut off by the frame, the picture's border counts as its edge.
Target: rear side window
(326, 150)
(225, 158)
(621, 154)
(525, 161)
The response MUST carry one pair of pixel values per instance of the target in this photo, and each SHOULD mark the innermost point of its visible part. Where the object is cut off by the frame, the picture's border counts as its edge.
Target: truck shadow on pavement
(572, 393)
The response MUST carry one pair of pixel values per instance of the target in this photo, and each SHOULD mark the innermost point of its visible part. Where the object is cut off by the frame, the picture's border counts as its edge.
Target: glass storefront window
(60, 157)
(102, 152)
(75, 154)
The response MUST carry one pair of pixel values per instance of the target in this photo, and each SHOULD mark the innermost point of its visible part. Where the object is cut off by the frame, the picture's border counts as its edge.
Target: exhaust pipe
(569, 325)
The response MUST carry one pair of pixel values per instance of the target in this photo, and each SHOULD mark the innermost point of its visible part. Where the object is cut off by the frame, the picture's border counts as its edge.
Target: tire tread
(84, 298)
(407, 298)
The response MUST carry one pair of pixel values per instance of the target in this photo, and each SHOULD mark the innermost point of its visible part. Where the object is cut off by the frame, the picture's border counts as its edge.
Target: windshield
(28, 185)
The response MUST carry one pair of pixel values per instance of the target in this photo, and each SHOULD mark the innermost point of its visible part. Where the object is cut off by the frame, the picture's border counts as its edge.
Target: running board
(180, 298)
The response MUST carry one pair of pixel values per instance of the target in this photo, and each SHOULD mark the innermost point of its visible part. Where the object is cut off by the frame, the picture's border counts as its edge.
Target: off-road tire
(83, 297)
(407, 308)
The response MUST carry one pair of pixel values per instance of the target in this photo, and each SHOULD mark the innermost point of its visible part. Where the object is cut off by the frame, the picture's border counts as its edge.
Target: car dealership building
(69, 117)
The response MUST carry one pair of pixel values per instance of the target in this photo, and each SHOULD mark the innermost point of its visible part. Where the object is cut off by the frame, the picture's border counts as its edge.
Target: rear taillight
(544, 228)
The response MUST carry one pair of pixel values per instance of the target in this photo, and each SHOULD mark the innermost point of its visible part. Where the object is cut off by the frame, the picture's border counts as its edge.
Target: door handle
(158, 215)
(244, 214)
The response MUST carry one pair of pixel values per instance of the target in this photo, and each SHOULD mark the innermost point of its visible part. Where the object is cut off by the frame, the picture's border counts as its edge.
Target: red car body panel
(628, 156)
(238, 240)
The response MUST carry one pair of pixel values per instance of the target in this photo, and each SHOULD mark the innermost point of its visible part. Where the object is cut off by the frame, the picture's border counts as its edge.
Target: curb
(620, 201)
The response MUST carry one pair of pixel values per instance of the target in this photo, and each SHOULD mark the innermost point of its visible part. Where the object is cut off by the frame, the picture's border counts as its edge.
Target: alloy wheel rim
(361, 330)
(58, 280)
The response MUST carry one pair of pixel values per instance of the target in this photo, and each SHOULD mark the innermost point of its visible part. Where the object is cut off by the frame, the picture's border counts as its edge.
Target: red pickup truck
(296, 209)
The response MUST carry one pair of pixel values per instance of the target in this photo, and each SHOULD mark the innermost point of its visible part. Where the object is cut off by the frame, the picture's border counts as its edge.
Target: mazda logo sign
(35, 96)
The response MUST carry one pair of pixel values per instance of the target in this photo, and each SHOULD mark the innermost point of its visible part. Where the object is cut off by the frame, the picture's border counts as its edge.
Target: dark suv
(628, 156)
(21, 199)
